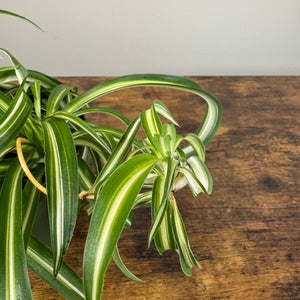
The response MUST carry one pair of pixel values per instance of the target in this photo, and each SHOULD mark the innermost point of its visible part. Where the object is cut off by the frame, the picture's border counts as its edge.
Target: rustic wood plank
(246, 235)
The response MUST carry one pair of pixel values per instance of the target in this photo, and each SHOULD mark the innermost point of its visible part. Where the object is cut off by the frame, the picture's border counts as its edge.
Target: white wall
(183, 37)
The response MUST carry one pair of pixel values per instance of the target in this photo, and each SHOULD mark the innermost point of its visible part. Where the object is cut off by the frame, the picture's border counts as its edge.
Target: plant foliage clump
(46, 148)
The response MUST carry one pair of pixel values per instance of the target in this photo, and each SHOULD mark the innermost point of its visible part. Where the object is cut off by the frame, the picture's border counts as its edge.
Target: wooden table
(246, 235)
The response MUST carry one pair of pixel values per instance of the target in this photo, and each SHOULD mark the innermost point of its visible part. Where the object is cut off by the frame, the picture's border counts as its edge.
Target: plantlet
(46, 146)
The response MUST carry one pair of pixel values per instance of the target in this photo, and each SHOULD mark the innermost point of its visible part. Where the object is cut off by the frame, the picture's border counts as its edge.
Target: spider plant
(47, 145)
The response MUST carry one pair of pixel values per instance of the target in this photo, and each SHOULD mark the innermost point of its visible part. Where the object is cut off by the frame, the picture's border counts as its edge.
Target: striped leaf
(31, 197)
(163, 238)
(46, 81)
(82, 125)
(201, 172)
(67, 282)
(213, 112)
(112, 208)
(5, 102)
(119, 153)
(189, 177)
(15, 117)
(87, 141)
(103, 110)
(36, 91)
(196, 144)
(62, 185)
(186, 256)
(169, 133)
(86, 176)
(7, 74)
(169, 174)
(55, 98)
(14, 281)
(163, 111)
(151, 124)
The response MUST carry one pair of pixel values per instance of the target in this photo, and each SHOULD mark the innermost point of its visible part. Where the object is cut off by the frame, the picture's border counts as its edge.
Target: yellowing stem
(24, 166)
(26, 170)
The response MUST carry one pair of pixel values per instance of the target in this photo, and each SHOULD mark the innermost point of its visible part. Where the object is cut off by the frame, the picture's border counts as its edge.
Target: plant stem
(20, 140)
(24, 166)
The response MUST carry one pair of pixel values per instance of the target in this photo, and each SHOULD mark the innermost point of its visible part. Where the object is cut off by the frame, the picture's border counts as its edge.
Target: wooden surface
(246, 235)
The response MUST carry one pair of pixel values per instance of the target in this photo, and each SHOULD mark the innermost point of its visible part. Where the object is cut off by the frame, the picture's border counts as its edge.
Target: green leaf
(55, 98)
(213, 112)
(169, 173)
(143, 199)
(118, 261)
(46, 81)
(6, 12)
(67, 282)
(197, 145)
(86, 140)
(163, 111)
(4, 165)
(36, 91)
(31, 196)
(5, 102)
(119, 153)
(163, 238)
(15, 117)
(104, 110)
(86, 176)
(21, 72)
(151, 124)
(189, 177)
(14, 281)
(62, 185)
(81, 124)
(187, 259)
(112, 208)
(7, 76)
(201, 172)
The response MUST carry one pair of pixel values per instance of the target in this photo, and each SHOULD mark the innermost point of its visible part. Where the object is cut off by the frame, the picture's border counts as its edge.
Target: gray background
(190, 37)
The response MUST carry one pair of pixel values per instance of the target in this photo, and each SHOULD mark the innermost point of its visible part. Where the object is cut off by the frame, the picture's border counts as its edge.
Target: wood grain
(246, 235)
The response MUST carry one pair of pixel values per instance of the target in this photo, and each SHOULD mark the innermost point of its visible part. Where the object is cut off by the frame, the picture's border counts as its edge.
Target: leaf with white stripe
(40, 260)
(7, 74)
(163, 111)
(86, 176)
(195, 185)
(152, 125)
(213, 112)
(5, 102)
(14, 281)
(163, 238)
(169, 173)
(112, 208)
(55, 98)
(103, 110)
(31, 196)
(46, 81)
(186, 256)
(20, 71)
(118, 154)
(82, 125)
(197, 144)
(201, 172)
(13, 120)
(36, 91)
(62, 185)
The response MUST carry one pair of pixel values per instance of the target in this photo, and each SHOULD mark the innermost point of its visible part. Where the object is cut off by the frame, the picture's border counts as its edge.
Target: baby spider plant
(49, 149)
